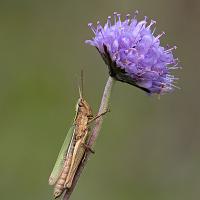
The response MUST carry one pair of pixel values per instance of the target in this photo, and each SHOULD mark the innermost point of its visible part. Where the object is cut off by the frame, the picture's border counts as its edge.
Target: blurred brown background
(148, 149)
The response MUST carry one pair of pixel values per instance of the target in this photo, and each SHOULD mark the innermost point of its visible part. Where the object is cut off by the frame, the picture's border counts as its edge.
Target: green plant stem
(97, 127)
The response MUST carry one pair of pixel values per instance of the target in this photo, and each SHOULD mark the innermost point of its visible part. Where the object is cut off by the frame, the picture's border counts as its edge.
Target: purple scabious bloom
(134, 55)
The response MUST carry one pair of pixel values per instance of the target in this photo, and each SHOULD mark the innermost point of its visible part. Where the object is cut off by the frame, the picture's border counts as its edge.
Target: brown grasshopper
(74, 153)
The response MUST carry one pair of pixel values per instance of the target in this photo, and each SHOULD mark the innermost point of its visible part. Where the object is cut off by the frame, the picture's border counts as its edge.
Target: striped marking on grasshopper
(74, 147)
(84, 115)
(82, 135)
(66, 158)
(65, 150)
(67, 147)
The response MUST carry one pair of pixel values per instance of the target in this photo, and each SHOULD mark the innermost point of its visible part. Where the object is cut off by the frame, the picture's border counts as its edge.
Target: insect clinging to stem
(74, 147)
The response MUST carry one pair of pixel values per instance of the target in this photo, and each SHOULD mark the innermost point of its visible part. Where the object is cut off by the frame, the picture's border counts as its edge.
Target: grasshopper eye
(81, 104)
(78, 106)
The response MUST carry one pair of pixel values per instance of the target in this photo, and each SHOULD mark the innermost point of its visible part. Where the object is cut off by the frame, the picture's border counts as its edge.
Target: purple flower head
(134, 55)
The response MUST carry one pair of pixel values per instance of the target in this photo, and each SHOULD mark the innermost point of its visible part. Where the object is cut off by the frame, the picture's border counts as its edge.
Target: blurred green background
(148, 149)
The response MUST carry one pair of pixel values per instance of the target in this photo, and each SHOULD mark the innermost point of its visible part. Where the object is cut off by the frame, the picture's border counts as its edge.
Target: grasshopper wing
(57, 170)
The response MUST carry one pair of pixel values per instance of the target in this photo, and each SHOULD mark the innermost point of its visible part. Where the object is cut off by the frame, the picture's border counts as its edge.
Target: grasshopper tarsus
(88, 148)
(107, 110)
(91, 150)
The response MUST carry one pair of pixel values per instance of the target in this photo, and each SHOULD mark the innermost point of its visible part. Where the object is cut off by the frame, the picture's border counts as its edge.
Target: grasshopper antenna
(80, 87)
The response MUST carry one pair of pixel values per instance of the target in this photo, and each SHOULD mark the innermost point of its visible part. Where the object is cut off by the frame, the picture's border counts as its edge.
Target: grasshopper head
(84, 107)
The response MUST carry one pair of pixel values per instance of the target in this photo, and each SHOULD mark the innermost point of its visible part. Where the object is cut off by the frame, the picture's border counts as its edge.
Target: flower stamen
(127, 19)
(170, 50)
(119, 19)
(135, 14)
(109, 21)
(159, 36)
(151, 23)
(91, 26)
(115, 17)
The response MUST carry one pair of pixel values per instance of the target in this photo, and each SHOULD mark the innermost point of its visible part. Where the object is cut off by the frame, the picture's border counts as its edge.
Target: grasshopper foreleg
(98, 115)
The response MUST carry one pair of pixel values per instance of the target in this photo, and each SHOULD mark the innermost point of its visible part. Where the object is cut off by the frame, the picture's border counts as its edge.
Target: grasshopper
(74, 147)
